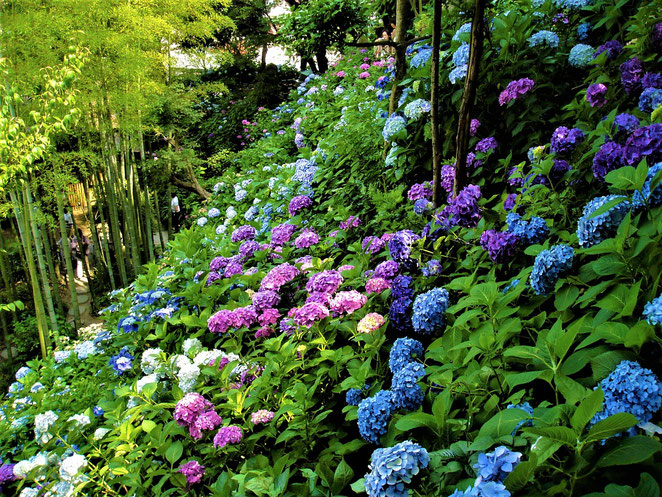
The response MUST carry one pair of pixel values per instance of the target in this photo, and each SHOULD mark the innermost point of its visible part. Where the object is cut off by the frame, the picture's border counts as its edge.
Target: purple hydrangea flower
(419, 191)
(632, 71)
(245, 232)
(347, 302)
(281, 234)
(351, 222)
(656, 37)
(265, 299)
(625, 123)
(515, 89)
(227, 435)
(121, 362)
(197, 414)
(473, 127)
(373, 244)
(596, 95)
(298, 203)
(500, 245)
(306, 239)
(193, 471)
(218, 263)
(612, 47)
(325, 282)
(447, 177)
(564, 140)
(387, 270)
(486, 144)
(279, 276)
(651, 80)
(510, 201)
(464, 208)
(608, 158)
(643, 143)
(400, 245)
(309, 313)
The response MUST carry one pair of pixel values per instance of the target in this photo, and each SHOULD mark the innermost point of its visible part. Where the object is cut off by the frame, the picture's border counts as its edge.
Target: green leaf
(358, 486)
(416, 420)
(586, 410)
(631, 450)
(614, 424)
(521, 475)
(343, 475)
(503, 423)
(647, 487)
(148, 425)
(174, 452)
(566, 297)
(561, 434)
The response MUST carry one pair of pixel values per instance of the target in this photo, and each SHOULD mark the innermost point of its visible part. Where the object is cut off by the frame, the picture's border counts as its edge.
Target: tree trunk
(402, 22)
(106, 235)
(40, 312)
(322, 61)
(48, 249)
(66, 249)
(3, 318)
(39, 249)
(462, 138)
(159, 225)
(263, 61)
(434, 113)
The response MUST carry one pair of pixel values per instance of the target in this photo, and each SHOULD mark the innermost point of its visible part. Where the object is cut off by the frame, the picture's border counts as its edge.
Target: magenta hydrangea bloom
(268, 317)
(377, 285)
(221, 322)
(193, 471)
(351, 222)
(232, 269)
(345, 267)
(306, 239)
(245, 232)
(500, 245)
(265, 299)
(364, 75)
(347, 302)
(227, 435)
(196, 413)
(212, 277)
(244, 316)
(372, 244)
(264, 332)
(320, 297)
(279, 276)
(281, 234)
(309, 313)
(326, 282)
(298, 203)
(596, 95)
(515, 89)
(419, 191)
(261, 416)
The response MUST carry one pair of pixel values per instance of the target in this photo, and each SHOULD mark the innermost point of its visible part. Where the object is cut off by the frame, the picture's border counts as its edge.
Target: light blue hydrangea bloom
(421, 58)
(581, 55)
(393, 125)
(407, 394)
(457, 74)
(393, 467)
(592, 230)
(650, 99)
(416, 109)
(461, 55)
(544, 37)
(548, 266)
(645, 196)
(653, 311)
(374, 413)
(429, 310)
(534, 230)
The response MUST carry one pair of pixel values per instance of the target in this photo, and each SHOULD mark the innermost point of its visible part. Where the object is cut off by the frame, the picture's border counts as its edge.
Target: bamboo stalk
(67, 258)
(105, 247)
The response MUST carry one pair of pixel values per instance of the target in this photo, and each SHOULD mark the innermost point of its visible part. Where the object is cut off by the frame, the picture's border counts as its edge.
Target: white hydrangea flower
(99, 433)
(151, 360)
(146, 380)
(207, 357)
(29, 492)
(80, 419)
(188, 375)
(191, 346)
(42, 423)
(85, 349)
(71, 466)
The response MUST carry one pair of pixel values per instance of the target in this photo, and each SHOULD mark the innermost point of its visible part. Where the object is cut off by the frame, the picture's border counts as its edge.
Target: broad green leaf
(586, 410)
(522, 474)
(148, 425)
(630, 450)
(416, 420)
(174, 452)
(614, 424)
(561, 434)
(503, 423)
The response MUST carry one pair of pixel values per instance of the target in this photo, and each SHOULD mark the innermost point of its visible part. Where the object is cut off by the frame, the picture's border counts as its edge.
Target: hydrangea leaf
(630, 450)
(617, 423)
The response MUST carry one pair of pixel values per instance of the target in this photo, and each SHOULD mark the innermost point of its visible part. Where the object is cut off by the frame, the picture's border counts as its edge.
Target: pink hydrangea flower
(309, 313)
(370, 322)
(377, 285)
(364, 75)
(193, 471)
(227, 435)
(261, 416)
(347, 302)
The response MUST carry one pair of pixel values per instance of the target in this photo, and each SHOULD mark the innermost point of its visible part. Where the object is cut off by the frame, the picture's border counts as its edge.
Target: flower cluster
(227, 435)
(500, 245)
(653, 311)
(347, 302)
(596, 95)
(429, 308)
(121, 362)
(581, 55)
(415, 109)
(646, 196)
(548, 267)
(630, 388)
(544, 37)
(261, 416)
(592, 229)
(245, 232)
(534, 230)
(407, 394)
(564, 140)
(374, 413)
(392, 467)
(393, 125)
(298, 203)
(196, 413)
(193, 471)
(515, 89)
(419, 191)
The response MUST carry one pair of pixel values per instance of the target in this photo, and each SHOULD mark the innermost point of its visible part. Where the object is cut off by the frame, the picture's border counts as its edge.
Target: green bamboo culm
(64, 240)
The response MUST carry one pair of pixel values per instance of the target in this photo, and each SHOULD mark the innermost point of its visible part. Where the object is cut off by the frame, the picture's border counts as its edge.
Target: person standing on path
(176, 212)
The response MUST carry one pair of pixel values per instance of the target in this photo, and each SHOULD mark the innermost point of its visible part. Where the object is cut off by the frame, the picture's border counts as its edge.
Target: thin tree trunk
(105, 247)
(129, 203)
(159, 224)
(6, 337)
(16, 227)
(5, 279)
(434, 113)
(462, 138)
(66, 249)
(149, 233)
(169, 212)
(114, 221)
(402, 22)
(40, 312)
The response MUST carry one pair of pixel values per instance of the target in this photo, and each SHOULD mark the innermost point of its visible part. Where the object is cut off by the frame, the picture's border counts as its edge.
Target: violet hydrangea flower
(500, 245)
(245, 232)
(595, 95)
(193, 471)
(227, 435)
(564, 140)
(632, 71)
(515, 89)
(298, 203)
(347, 302)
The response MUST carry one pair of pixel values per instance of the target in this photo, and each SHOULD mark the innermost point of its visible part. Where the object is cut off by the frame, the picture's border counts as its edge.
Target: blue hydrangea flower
(202, 221)
(403, 96)
(650, 99)
(458, 74)
(484, 489)
(354, 396)
(653, 311)
(422, 205)
(392, 156)
(23, 372)
(128, 324)
(496, 465)
(593, 230)
(393, 125)
(534, 230)
(98, 411)
(407, 394)
(374, 414)
(581, 55)
(390, 468)
(572, 4)
(400, 246)
(213, 212)
(421, 58)
(544, 37)
(403, 352)
(432, 268)
(524, 406)
(415, 109)
(465, 28)
(630, 388)
(429, 310)
(461, 55)
(645, 196)
(121, 362)
(583, 30)
(548, 266)
(510, 286)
